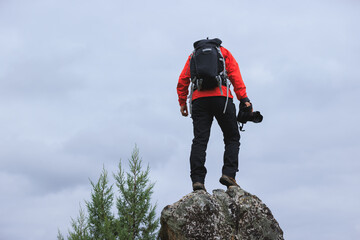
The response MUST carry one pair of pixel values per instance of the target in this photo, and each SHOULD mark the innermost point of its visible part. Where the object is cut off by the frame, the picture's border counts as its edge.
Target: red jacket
(233, 73)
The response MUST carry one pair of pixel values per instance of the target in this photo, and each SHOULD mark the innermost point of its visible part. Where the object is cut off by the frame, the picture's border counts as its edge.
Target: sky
(83, 82)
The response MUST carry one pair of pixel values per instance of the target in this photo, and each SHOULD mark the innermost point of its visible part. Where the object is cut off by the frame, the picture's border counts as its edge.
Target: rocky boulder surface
(233, 214)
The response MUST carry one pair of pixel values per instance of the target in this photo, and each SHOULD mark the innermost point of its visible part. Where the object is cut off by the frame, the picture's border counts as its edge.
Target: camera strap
(241, 126)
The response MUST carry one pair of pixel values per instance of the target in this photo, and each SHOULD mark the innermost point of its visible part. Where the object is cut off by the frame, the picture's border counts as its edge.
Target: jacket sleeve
(233, 72)
(183, 83)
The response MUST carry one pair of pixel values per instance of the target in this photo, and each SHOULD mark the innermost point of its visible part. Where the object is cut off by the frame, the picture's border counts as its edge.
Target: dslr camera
(246, 114)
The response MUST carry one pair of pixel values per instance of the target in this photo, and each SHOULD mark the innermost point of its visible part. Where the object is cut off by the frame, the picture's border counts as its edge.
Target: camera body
(246, 114)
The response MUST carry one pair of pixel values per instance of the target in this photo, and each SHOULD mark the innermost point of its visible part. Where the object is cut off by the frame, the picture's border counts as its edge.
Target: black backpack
(207, 68)
(207, 65)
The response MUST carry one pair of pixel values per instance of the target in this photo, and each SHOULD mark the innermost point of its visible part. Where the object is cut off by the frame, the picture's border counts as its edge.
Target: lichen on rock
(233, 214)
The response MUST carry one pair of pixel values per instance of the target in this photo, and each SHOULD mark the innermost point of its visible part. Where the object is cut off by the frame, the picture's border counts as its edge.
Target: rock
(234, 215)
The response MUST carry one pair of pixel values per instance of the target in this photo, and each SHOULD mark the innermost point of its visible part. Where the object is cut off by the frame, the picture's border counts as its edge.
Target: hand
(184, 110)
(248, 104)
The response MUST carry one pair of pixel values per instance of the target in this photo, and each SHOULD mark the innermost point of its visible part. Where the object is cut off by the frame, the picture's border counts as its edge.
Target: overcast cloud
(82, 82)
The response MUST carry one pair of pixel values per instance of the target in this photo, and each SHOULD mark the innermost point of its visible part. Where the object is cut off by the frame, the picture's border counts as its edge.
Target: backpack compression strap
(224, 73)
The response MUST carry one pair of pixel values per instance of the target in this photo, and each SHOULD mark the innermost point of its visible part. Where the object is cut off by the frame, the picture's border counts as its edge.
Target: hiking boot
(198, 186)
(228, 181)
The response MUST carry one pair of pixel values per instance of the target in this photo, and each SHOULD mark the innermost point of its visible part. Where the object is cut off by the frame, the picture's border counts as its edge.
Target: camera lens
(257, 117)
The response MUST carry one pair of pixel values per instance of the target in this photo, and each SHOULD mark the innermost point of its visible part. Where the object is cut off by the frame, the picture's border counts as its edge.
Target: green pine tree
(136, 214)
(60, 236)
(101, 221)
(79, 226)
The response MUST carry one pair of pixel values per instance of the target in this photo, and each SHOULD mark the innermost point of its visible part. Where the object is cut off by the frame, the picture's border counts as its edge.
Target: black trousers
(203, 112)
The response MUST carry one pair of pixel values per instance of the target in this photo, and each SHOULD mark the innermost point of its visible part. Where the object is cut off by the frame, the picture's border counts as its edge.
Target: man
(207, 104)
